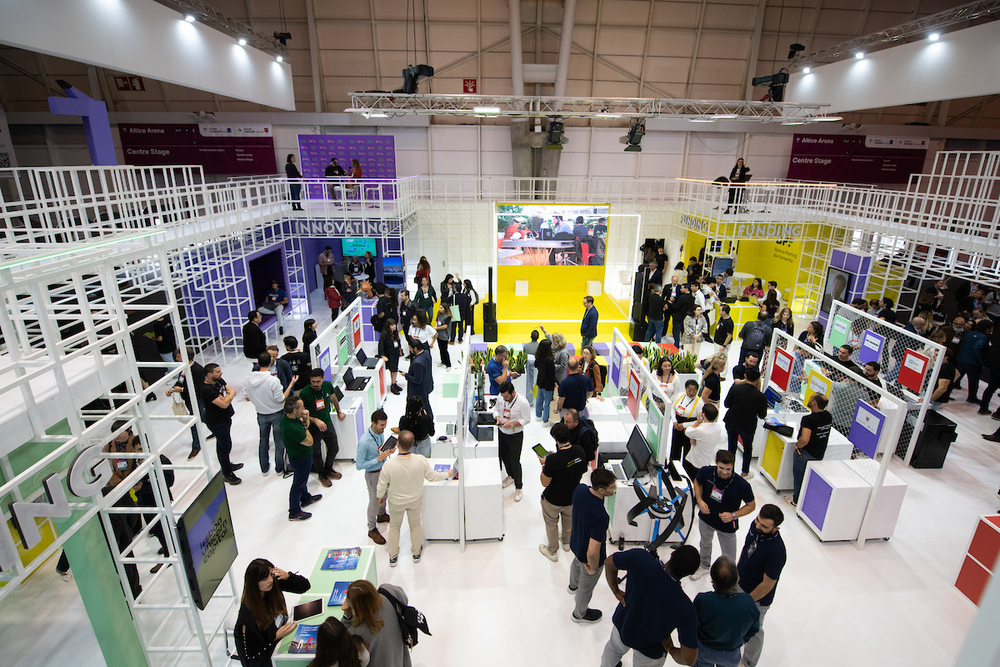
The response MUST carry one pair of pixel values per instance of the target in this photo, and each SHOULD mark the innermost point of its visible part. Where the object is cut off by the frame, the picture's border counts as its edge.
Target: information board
(634, 388)
(781, 370)
(356, 330)
(818, 384)
(871, 347)
(912, 371)
(838, 331)
(344, 347)
(866, 428)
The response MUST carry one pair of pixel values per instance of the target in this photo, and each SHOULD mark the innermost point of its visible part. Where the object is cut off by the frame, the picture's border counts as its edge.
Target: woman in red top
(423, 271)
(334, 299)
(354, 174)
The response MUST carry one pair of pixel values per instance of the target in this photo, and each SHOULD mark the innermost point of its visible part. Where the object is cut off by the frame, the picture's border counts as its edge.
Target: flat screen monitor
(207, 540)
(638, 450)
(628, 465)
(570, 235)
(357, 247)
(773, 396)
(836, 288)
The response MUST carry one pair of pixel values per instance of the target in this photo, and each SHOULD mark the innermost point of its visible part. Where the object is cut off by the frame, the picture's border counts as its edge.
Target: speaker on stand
(490, 312)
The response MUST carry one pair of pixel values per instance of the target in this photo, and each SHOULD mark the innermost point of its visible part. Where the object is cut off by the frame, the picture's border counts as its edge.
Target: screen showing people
(552, 234)
(838, 285)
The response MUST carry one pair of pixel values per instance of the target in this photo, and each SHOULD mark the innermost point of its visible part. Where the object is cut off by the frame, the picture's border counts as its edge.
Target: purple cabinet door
(817, 499)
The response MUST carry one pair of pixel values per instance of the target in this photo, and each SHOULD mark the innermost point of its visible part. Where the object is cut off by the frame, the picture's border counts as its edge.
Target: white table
(441, 507)
(777, 460)
(610, 409)
(613, 437)
(835, 494)
(483, 499)
(353, 427)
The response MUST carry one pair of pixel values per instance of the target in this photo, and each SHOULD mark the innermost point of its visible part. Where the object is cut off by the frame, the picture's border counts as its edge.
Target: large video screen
(357, 247)
(208, 543)
(552, 234)
(836, 288)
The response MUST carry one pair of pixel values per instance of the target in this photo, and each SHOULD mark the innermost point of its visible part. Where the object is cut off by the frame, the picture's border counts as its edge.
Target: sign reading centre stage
(856, 159)
(236, 150)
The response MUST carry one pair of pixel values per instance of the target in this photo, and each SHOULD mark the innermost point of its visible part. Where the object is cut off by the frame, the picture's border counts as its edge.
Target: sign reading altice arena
(337, 228)
(87, 475)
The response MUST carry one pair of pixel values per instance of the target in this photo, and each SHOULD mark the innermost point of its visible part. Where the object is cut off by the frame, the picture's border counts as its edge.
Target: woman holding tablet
(263, 619)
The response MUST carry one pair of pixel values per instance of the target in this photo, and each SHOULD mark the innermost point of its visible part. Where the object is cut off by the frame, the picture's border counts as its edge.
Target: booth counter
(321, 583)
(483, 502)
(834, 497)
(779, 453)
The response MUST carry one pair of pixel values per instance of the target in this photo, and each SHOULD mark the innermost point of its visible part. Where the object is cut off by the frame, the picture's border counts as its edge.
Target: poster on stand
(618, 355)
(912, 370)
(781, 371)
(324, 363)
(634, 388)
(818, 384)
(839, 327)
(356, 330)
(866, 428)
(871, 347)
(344, 347)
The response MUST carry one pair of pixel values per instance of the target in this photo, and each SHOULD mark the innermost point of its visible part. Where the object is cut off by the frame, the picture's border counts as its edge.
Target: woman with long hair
(755, 288)
(390, 349)
(294, 188)
(350, 291)
(592, 369)
(419, 423)
(666, 375)
(560, 352)
(770, 305)
(263, 617)
(739, 175)
(545, 379)
(711, 379)
(443, 327)
(423, 270)
(421, 331)
(469, 317)
(815, 328)
(308, 336)
(354, 174)
(371, 616)
(336, 647)
(695, 328)
(783, 321)
(406, 310)
(334, 299)
(424, 298)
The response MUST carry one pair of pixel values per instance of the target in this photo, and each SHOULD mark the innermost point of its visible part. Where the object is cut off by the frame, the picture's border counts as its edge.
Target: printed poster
(344, 351)
(912, 370)
(838, 331)
(634, 389)
(818, 384)
(355, 330)
(866, 428)
(781, 370)
(871, 347)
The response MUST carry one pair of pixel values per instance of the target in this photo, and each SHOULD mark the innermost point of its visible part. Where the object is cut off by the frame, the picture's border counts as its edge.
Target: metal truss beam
(383, 105)
(208, 15)
(983, 10)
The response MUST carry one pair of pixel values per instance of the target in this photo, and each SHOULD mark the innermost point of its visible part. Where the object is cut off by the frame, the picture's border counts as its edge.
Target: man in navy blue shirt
(722, 498)
(498, 370)
(575, 389)
(275, 304)
(760, 566)
(420, 375)
(652, 606)
(588, 328)
(587, 541)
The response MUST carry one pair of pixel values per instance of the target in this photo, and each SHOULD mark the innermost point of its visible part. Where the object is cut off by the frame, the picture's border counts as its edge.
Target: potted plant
(684, 366)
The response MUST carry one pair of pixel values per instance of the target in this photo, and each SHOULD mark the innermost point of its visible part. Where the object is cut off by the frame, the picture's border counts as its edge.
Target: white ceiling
(644, 48)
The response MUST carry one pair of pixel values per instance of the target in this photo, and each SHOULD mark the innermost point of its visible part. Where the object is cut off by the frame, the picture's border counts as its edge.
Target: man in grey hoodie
(268, 398)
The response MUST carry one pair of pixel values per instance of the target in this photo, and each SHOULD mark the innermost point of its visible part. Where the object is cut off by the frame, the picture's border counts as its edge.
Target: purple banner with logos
(376, 154)
(856, 159)
(228, 150)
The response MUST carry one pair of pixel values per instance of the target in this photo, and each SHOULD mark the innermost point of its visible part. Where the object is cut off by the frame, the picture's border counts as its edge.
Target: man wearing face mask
(760, 565)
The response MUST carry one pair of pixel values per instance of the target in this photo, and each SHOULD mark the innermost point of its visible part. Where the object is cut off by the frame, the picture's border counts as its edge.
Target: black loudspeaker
(489, 312)
(640, 294)
(637, 330)
(490, 331)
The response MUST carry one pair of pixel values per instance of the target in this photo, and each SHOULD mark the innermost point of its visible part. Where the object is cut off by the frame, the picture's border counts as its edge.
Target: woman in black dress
(263, 619)
(295, 189)
(390, 349)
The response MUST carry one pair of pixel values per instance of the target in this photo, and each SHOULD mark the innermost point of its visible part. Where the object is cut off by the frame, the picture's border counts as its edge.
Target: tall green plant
(684, 362)
(518, 360)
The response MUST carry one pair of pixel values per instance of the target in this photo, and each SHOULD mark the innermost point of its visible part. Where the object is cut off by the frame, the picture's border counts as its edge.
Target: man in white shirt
(264, 391)
(401, 483)
(705, 434)
(512, 414)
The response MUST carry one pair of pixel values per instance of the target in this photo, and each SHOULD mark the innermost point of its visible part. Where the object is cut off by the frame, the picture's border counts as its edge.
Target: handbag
(178, 405)
(456, 314)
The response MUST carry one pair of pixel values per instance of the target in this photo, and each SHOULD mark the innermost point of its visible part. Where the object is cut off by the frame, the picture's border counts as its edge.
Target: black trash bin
(935, 438)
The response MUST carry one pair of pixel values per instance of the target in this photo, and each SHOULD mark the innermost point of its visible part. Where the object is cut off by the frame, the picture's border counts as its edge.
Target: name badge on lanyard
(320, 404)
(716, 494)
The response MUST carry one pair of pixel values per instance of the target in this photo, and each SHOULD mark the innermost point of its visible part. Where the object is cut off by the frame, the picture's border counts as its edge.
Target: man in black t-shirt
(722, 498)
(946, 380)
(163, 334)
(724, 329)
(217, 397)
(298, 361)
(588, 541)
(843, 359)
(887, 313)
(746, 405)
(751, 360)
(654, 314)
(561, 473)
(581, 432)
(814, 434)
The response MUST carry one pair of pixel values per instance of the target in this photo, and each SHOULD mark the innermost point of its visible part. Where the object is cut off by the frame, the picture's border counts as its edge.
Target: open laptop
(624, 470)
(339, 394)
(354, 383)
(365, 360)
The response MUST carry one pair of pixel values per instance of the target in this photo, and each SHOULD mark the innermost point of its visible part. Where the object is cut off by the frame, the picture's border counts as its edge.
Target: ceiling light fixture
(859, 55)
(242, 41)
(701, 119)
(934, 36)
(724, 116)
(827, 119)
(279, 58)
(486, 110)
(806, 70)
(189, 18)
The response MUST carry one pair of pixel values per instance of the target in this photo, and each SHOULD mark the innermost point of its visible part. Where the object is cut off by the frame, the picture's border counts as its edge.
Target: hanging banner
(838, 331)
(634, 387)
(856, 159)
(781, 369)
(866, 428)
(232, 150)
(912, 370)
(871, 347)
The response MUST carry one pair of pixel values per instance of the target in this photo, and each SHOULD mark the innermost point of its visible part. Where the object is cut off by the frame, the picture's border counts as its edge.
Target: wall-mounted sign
(339, 228)
(768, 231)
(130, 83)
(693, 223)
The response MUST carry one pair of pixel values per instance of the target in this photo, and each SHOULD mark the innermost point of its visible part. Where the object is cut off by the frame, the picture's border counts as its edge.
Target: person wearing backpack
(371, 615)
(582, 432)
(755, 337)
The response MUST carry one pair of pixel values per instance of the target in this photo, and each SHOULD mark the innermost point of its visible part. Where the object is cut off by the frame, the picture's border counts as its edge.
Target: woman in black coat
(292, 172)
(739, 175)
(263, 619)
(390, 349)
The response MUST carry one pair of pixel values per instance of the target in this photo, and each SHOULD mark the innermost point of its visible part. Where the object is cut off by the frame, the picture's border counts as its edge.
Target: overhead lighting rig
(197, 11)
(514, 106)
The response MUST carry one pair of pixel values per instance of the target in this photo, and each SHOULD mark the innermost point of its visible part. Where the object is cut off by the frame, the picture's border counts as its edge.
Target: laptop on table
(365, 360)
(354, 383)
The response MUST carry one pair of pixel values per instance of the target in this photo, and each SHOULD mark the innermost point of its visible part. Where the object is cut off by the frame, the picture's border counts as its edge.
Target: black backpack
(410, 620)
(756, 338)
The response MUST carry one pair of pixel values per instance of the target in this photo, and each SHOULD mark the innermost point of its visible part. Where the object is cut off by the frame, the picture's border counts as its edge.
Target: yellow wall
(544, 281)
(770, 260)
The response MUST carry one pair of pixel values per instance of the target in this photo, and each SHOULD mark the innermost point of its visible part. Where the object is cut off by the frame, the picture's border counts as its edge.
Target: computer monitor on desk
(639, 451)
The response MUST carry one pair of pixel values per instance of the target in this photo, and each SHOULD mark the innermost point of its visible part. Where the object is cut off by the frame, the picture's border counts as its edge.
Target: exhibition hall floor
(501, 603)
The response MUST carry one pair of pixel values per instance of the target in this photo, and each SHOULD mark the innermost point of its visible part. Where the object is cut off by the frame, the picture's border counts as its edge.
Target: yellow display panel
(774, 449)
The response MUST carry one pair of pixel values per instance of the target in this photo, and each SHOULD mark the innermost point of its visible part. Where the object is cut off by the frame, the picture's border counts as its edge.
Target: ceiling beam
(750, 70)
(694, 51)
(645, 47)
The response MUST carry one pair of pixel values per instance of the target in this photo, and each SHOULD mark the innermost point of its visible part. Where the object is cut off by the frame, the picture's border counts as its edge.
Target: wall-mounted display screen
(552, 234)
(207, 540)
(837, 287)
(357, 247)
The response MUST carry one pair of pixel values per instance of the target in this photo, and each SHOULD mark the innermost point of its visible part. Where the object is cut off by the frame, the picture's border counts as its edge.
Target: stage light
(487, 110)
(634, 138)
(794, 50)
(827, 119)
(934, 36)
(724, 116)
(376, 114)
(701, 119)
(412, 75)
(555, 139)
(859, 55)
(189, 18)
(806, 70)
(242, 41)
(279, 58)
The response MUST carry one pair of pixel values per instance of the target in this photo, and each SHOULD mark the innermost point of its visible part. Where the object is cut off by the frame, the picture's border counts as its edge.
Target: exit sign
(131, 83)
(469, 86)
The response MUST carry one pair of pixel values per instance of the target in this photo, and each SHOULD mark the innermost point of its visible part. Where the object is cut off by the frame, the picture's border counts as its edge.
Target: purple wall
(859, 266)
(377, 155)
(312, 247)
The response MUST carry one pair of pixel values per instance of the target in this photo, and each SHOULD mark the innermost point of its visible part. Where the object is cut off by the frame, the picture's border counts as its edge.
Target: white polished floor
(501, 603)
